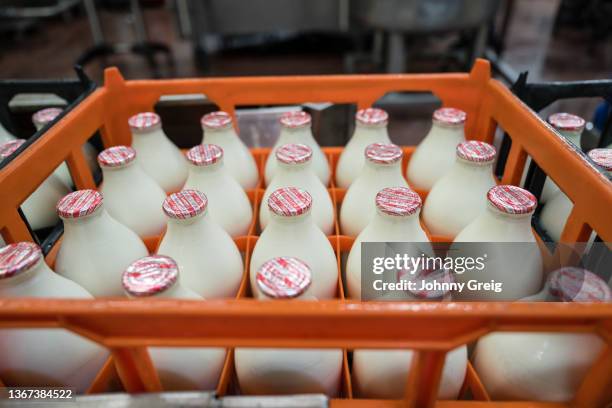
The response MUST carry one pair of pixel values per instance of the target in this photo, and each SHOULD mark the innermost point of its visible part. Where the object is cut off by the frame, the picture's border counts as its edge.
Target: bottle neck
(572, 136)
(295, 135)
(295, 167)
(175, 224)
(38, 269)
(370, 133)
(495, 215)
(214, 136)
(446, 132)
(127, 170)
(472, 170)
(394, 223)
(151, 136)
(176, 291)
(214, 168)
(296, 221)
(87, 223)
(371, 169)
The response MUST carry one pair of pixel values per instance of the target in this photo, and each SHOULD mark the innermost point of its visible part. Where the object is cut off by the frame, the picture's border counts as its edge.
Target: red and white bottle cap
(216, 120)
(150, 275)
(79, 204)
(602, 157)
(283, 277)
(398, 201)
(449, 116)
(383, 153)
(476, 152)
(18, 258)
(8, 148)
(442, 276)
(294, 153)
(512, 199)
(185, 204)
(572, 284)
(44, 116)
(295, 119)
(144, 122)
(566, 122)
(289, 201)
(116, 156)
(372, 117)
(205, 155)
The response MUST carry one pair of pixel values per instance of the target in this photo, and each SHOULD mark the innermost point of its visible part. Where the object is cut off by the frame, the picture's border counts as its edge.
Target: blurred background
(552, 39)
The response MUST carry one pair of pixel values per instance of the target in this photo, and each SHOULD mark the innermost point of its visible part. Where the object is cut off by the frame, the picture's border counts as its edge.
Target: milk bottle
(460, 195)
(382, 168)
(184, 368)
(508, 247)
(228, 204)
(383, 374)
(40, 119)
(95, 248)
(269, 371)
(543, 366)
(157, 155)
(571, 127)
(43, 357)
(239, 161)
(38, 208)
(435, 155)
(556, 211)
(131, 196)
(294, 169)
(295, 128)
(290, 227)
(370, 127)
(208, 258)
(396, 220)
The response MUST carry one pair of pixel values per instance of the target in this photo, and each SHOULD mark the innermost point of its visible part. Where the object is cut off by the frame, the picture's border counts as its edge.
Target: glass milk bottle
(370, 127)
(157, 155)
(543, 366)
(295, 128)
(208, 258)
(131, 196)
(292, 232)
(295, 170)
(95, 248)
(383, 374)
(267, 371)
(5, 135)
(435, 155)
(512, 256)
(396, 220)
(40, 119)
(43, 357)
(179, 368)
(39, 207)
(382, 168)
(228, 204)
(571, 127)
(239, 161)
(556, 211)
(460, 195)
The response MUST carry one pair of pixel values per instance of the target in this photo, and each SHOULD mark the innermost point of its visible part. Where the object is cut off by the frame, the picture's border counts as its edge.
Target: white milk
(396, 220)
(95, 248)
(267, 371)
(384, 374)
(157, 155)
(518, 267)
(294, 169)
(435, 155)
(131, 196)
(43, 357)
(459, 196)
(382, 168)
(292, 232)
(240, 163)
(228, 204)
(179, 369)
(5, 135)
(570, 127)
(370, 127)
(543, 366)
(41, 119)
(556, 211)
(39, 207)
(295, 128)
(208, 258)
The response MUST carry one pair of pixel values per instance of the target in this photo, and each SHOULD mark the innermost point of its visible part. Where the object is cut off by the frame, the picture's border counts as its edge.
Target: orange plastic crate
(127, 327)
